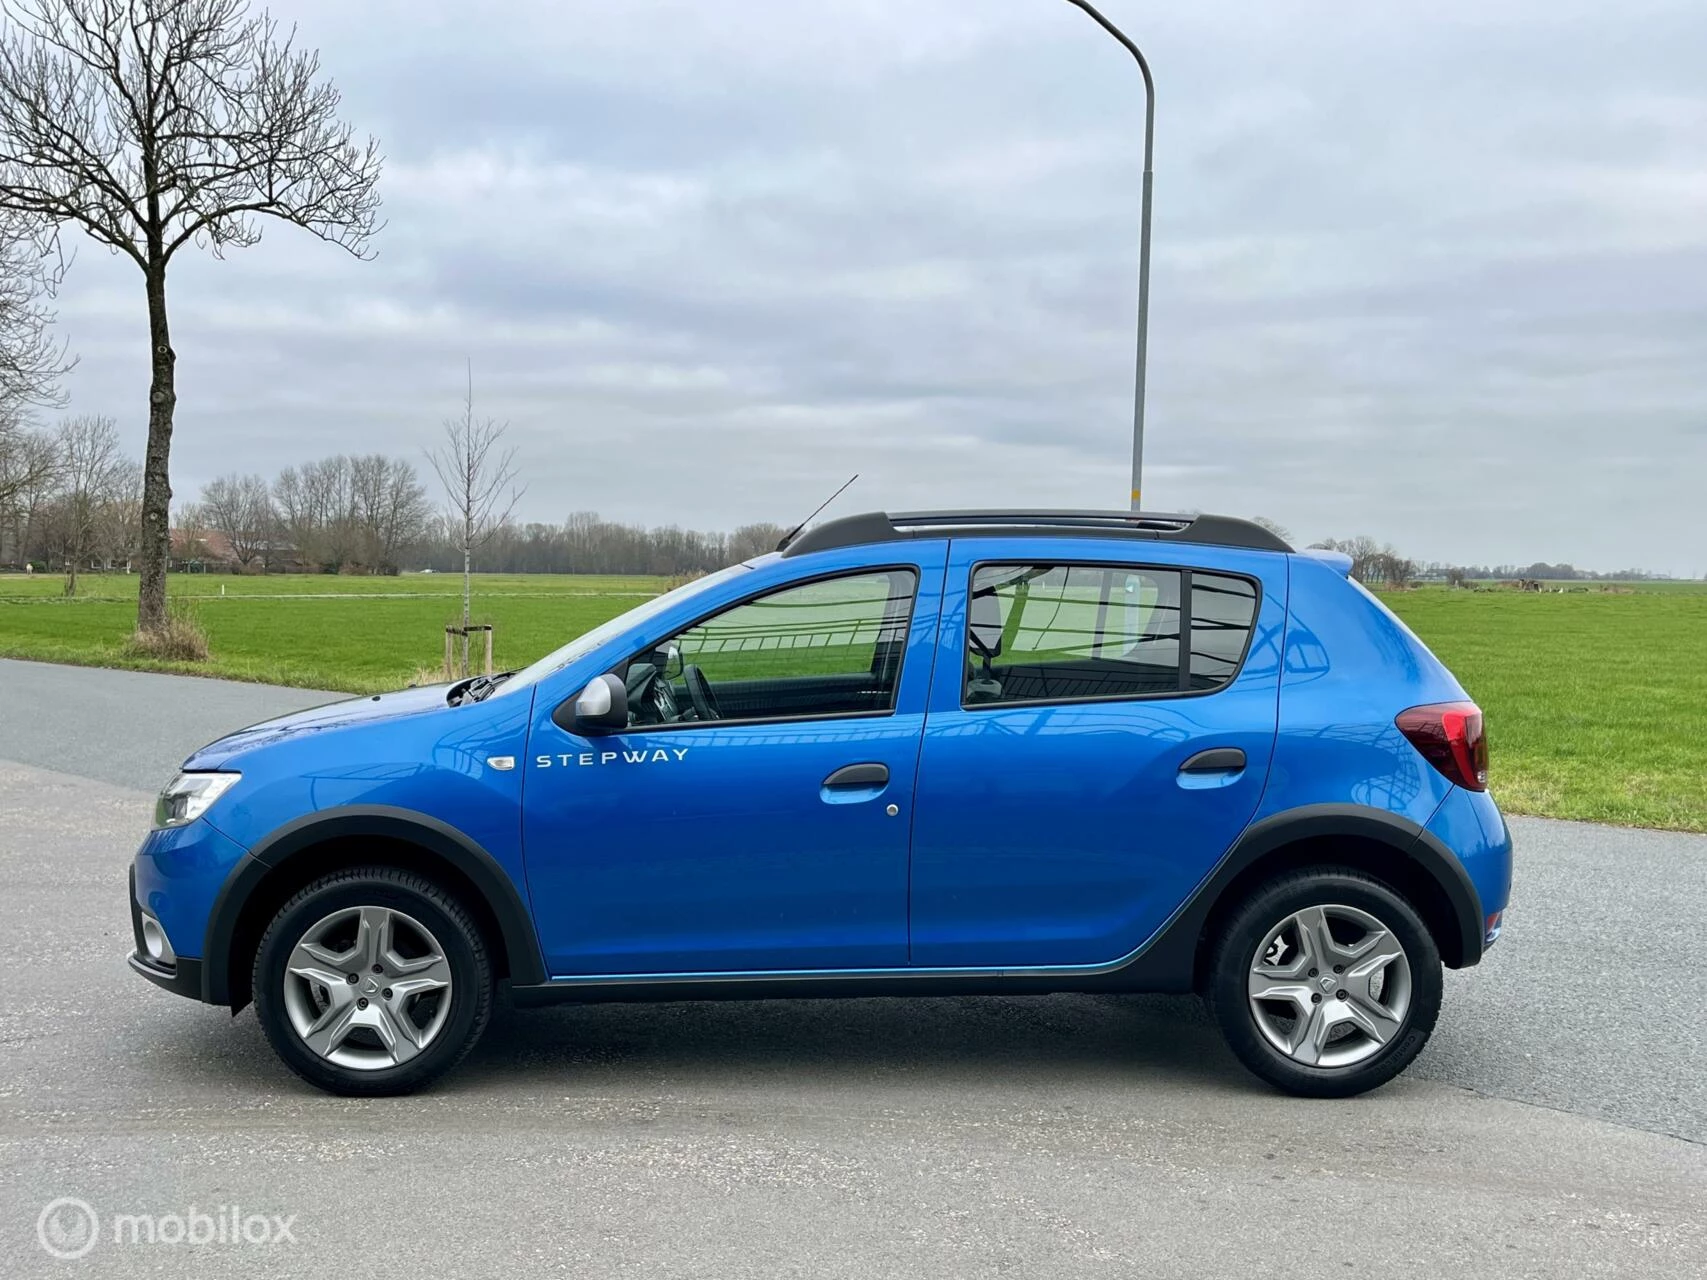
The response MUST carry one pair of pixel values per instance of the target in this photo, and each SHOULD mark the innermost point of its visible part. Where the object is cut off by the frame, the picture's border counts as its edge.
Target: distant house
(202, 551)
(209, 551)
(283, 557)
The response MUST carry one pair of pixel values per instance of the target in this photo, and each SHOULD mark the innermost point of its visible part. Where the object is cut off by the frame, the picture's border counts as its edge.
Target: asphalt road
(1555, 1127)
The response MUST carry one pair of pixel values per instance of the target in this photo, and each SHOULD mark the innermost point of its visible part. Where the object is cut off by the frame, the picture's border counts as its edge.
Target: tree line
(70, 502)
(1372, 562)
(69, 496)
(361, 513)
(1378, 564)
(1539, 571)
(371, 514)
(587, 543)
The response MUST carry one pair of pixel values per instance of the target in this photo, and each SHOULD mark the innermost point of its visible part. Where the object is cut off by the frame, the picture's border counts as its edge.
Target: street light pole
(1143, 244)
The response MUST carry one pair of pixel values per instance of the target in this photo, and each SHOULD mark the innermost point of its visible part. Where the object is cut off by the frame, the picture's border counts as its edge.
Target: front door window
(830, 648)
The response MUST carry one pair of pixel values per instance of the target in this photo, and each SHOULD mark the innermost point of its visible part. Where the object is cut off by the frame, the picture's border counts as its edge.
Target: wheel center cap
(1327, 982)
(369, 986)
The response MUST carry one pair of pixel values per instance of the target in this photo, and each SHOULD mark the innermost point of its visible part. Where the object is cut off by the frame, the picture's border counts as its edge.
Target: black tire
(458, 937)
(1235, 952)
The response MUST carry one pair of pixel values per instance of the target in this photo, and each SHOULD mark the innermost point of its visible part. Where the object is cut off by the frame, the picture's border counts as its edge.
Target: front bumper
(182, 976)
(174, 880)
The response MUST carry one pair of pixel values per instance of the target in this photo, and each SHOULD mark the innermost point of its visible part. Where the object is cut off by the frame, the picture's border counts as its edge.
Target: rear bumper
(1470, 825)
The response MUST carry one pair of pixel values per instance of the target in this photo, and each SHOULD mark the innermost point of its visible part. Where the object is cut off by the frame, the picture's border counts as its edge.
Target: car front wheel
(372, 981)
(1326, 983)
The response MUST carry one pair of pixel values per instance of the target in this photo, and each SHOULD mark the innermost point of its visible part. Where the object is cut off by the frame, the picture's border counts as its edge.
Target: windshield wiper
(466, 690)
(480, 688)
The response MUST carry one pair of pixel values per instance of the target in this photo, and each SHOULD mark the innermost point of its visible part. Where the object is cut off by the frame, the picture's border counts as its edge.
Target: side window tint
(1044, 633)
(1059, 633)
(819, 649)
(1223, 610)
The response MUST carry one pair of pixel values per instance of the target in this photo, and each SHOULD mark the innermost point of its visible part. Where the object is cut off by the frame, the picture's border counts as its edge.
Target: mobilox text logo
(70, 1228)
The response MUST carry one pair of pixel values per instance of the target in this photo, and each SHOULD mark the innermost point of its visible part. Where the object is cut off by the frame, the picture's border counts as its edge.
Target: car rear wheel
(1326, 983)
(372, 981)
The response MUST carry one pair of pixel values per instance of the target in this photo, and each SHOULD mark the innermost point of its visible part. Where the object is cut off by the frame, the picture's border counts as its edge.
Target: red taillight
(1449, 735)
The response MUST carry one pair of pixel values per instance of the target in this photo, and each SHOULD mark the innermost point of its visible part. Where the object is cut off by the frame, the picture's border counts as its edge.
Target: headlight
(188, 796)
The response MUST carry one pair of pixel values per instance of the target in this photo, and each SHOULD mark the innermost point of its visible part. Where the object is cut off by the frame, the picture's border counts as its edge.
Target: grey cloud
(1437, 275)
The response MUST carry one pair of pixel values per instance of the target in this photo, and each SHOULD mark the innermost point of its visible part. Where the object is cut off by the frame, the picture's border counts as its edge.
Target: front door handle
(859, 775)
(1215, 760)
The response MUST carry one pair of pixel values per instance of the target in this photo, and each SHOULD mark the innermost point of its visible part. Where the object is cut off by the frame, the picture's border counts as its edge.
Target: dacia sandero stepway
(926, 754)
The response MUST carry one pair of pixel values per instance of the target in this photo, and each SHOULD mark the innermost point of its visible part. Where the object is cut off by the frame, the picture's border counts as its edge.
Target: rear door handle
(1215, 760)
(859, 775)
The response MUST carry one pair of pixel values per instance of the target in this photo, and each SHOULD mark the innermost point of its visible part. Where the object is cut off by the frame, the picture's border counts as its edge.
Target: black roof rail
(878, 526)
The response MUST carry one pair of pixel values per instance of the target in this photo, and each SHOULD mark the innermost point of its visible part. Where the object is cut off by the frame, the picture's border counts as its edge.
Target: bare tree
(479, 478)
(30, 361)
(30, 367)
(1371, 562)
(118, 522)
(152, 124)
(28, 469)
(389, 508)
(91, 468)
(189, 541)
(754, 540)
(316, 512)
(1364, 551)
(1394, 569)
(295, 503)
(240, 508)
(1273, 526)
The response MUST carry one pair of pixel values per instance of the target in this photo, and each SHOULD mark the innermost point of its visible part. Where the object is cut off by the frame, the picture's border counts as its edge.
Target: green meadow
(1596, 704)
(1596, 701)
(355, 634)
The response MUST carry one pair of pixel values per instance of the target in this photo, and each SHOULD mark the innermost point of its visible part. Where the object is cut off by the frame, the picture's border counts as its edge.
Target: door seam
(924, 728)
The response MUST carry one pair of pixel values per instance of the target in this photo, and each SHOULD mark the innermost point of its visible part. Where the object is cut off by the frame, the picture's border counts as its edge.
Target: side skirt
(813, 987)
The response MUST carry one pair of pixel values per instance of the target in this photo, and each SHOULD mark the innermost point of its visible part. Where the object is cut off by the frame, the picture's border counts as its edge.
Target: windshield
(585, 644)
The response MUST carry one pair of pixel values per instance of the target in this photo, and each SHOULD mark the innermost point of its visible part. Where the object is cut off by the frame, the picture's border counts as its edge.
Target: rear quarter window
(1223, 609)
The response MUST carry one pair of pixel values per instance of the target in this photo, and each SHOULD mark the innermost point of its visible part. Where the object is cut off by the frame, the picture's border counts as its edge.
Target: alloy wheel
(367, 988)
(1329, 986)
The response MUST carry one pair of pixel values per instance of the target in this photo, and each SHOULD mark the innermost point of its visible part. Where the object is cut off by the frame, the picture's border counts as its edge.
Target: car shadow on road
(950, 1040)
(966, 1042)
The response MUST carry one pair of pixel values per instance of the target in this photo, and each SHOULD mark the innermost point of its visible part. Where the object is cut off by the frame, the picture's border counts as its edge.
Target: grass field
(1596, 703)
(361, 635)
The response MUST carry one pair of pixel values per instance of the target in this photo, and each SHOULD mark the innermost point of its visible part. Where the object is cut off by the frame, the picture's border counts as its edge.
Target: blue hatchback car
(928, 754)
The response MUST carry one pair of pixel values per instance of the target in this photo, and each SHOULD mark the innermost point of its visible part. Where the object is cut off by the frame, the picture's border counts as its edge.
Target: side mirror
(602, 707)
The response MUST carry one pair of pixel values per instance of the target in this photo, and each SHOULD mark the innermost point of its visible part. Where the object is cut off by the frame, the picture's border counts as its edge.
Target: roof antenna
(795, 532)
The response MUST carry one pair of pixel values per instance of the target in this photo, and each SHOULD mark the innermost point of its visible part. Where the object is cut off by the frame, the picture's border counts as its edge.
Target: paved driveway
(1554, 1127)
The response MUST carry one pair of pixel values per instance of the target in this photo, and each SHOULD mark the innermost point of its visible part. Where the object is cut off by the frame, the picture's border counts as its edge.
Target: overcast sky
(1435, 273)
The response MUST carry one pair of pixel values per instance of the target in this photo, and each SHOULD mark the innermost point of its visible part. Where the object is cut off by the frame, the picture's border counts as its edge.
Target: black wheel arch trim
(515, 922)
(1175, 950)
